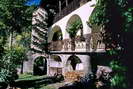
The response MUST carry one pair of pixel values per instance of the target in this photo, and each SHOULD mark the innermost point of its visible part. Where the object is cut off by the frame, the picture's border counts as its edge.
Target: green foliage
(105, 10)
(72, 30)
(116, 18)
(74, 27)
(23, 39)
(11, 60)
(128, 23)
(17, 54)
(15, 18)
(38, 82)
(7, 76)
(39, 61)
(98, 16)
(112, 52)
(118, 80)
(117, 66)
(14, 15)
(30, 77)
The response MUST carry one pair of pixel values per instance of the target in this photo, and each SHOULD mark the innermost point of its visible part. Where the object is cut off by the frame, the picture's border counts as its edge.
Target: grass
(43, 87)
(29, 81)
(29, 77)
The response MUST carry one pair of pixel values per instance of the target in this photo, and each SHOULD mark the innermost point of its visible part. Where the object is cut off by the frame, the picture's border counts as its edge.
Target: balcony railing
(80, 45)
(66, 10)
(66, 45)
(56, 46)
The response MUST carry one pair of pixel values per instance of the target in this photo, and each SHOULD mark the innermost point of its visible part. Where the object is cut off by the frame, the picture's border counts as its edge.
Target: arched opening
(75, 30)
(56, 41)
(57, 36)
(74, 63)
(97, 33)
(75, 23)
(40, 66)
(55, 65)
(57, 33)
(74, 69)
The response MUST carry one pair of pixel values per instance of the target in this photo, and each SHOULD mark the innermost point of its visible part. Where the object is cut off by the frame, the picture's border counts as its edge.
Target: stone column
(28, 65)
(87, 40)
(48, 65)
(86, 62)
(64, 57)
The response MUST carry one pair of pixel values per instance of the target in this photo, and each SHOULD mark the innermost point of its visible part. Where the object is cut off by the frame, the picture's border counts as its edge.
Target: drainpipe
(66, 2)
(59, 5)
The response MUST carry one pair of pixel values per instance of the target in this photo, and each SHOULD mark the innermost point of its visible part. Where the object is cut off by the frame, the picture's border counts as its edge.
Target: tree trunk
(11, 40)
(22, 65)
(73, 44)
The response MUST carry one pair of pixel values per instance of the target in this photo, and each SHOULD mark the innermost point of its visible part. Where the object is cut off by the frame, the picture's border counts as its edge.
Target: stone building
(62, 58)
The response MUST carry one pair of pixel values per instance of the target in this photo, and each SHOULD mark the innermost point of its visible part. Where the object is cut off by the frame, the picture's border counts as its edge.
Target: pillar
(86, 62)
(48, 65)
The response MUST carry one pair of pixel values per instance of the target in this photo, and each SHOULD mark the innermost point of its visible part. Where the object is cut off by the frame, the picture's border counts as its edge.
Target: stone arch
(55, 31)
(74, 63)
(55, 65)
(40, 66)
(74, 28)
(56, 58)
(72, 20)
(56, 39)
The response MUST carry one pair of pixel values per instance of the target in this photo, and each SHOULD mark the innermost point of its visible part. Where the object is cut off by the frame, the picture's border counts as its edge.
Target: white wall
(83, 12)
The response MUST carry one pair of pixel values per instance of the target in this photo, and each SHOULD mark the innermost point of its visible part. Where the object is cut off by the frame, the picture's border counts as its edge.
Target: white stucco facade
(83, 13)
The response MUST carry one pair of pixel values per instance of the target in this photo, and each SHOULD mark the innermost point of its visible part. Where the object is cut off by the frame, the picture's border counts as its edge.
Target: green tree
(72, 30)
(11, 60)
(14, 17)
(116, 19)
(15, 20)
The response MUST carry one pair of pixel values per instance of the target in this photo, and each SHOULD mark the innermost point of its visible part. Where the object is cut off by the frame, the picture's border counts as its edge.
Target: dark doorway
(73, 61)
(40, 66)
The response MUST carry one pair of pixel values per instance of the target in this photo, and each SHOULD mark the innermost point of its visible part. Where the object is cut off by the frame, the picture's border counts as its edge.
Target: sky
(32, 2)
